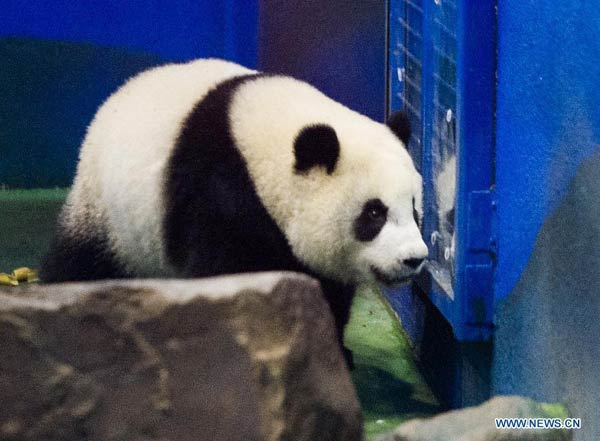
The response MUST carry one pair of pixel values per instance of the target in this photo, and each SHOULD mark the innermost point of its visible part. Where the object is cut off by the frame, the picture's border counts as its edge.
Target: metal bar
(476, 66)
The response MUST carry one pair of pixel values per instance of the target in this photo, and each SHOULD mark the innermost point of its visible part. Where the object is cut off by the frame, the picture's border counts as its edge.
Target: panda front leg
(340, 298)
(79, 257)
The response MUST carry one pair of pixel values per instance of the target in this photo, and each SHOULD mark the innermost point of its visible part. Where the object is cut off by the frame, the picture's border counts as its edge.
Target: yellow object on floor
(20, 275)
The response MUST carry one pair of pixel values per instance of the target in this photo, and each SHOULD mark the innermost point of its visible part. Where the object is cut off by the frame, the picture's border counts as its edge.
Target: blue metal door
(442, 71)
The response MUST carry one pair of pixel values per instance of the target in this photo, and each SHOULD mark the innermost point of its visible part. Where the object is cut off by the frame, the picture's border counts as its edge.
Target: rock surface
(250, 357)
(477, 423)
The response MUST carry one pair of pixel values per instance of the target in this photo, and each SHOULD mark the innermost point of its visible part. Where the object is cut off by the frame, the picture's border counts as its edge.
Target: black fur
(415, 213)
(399, 123)
(368, 225)
(215, 222)
(316, 145)
(72, 258)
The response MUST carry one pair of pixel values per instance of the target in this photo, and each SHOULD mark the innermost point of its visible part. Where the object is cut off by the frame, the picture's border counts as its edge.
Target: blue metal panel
(475, 172)
(442, 70)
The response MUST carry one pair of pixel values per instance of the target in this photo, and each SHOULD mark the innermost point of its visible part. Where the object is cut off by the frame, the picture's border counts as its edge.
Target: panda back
(120, 176)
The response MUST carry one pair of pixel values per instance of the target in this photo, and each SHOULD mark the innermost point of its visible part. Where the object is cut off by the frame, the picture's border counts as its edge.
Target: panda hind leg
(339, 297)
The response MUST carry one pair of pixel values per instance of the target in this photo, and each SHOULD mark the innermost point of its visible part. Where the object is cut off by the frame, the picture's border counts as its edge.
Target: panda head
(358, 201)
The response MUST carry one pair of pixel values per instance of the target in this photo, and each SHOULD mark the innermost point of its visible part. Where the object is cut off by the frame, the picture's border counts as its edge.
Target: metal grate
(443, 139)
(442, 72)
(423, 82)
(406, 42)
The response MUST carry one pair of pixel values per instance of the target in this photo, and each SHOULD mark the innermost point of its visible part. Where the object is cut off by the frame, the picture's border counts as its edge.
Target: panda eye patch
(370, 221)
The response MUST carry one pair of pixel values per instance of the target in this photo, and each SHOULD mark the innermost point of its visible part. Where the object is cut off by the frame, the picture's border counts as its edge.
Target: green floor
(27, 219)
(388, 383)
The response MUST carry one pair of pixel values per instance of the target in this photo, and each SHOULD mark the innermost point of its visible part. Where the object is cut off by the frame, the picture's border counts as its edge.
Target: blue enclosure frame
(463, 34)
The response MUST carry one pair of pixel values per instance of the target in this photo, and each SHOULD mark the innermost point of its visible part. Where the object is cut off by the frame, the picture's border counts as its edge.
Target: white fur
(317, 212)
(122, 166)
(121, 170)
(445, 192)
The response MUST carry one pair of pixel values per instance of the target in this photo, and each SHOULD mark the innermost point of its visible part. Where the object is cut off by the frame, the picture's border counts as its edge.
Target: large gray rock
(477, 423)
(250, 357)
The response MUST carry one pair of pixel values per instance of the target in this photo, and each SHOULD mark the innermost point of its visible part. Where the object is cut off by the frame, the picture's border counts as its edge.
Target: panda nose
(413, 263)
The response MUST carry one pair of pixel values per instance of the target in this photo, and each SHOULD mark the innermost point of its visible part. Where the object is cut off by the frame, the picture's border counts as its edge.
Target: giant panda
(208, 168)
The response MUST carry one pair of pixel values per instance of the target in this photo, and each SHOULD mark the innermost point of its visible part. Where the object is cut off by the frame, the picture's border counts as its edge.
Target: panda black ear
(399, 123)
(316, 145)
